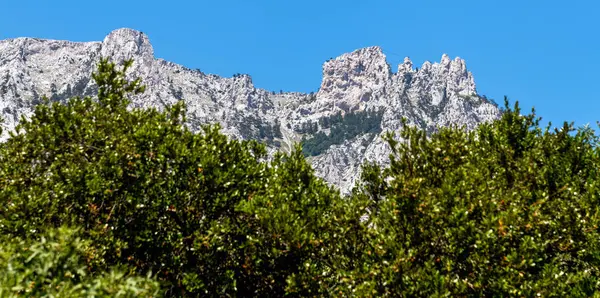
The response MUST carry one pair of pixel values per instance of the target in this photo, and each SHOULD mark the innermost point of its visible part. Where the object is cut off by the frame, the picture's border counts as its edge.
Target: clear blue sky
(543, 53)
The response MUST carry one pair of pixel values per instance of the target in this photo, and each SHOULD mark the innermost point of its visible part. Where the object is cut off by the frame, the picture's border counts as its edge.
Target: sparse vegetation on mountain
(341, 128)
(98, 198)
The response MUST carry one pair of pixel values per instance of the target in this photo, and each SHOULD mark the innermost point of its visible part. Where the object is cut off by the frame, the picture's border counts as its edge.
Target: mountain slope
(359, 98)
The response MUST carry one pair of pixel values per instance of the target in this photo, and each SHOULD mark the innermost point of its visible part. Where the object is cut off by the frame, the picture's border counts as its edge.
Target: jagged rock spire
(361, 80)
(125, 43)
(406, 66)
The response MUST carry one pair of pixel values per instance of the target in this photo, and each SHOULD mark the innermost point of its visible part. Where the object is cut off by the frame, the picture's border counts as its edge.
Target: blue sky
(543, 53)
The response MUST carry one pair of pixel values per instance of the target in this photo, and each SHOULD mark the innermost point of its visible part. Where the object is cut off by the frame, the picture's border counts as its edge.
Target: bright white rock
(437, 94)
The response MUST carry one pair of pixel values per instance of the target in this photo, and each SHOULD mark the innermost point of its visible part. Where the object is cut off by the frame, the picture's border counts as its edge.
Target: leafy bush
(202, 211)
(55, 266)
(509, 209)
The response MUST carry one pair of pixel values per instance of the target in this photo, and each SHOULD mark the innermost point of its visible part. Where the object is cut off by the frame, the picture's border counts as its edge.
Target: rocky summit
(340, 126)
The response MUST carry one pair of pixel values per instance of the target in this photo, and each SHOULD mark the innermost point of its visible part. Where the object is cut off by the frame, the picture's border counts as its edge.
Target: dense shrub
(55, 266)
(508, 209)
(201, 211)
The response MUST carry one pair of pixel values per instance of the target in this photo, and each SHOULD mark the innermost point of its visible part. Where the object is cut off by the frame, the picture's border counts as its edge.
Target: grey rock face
(437, 94)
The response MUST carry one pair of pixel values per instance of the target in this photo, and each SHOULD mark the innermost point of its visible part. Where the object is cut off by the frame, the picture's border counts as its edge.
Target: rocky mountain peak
(349, 80)
(363, 63)
(125, 43)
(359, 84)
(406, 66)
(458, 65)
(445, 60)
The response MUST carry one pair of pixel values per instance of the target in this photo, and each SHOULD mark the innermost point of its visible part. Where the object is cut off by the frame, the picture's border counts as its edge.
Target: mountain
(360, 97)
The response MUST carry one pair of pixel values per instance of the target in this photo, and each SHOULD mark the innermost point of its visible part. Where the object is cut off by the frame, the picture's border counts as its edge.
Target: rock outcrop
(359, 99)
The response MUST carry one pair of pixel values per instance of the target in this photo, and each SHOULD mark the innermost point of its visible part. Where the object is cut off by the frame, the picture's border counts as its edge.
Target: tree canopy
(508, 209)
(101, 199)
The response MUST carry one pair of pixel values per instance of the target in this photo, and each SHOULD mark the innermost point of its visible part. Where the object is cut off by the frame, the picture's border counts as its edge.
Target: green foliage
(55, 266)
(153, 196)
(341, 128)
(509, 209)
(254, 128)
(308, 127)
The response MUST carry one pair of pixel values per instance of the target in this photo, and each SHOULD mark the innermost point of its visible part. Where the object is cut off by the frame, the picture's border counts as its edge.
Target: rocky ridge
(359, 85)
